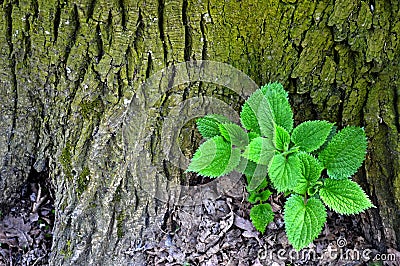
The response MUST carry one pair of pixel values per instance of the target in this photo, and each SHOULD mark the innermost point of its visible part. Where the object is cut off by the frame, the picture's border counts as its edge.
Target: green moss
(328, 70)
(90, 108)
(66, 161)
(120, 221)
(83, 180)
(396, 184)
(342, 10)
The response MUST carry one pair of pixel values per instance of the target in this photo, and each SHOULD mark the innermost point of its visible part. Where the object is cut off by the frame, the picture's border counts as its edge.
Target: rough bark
(69, 69)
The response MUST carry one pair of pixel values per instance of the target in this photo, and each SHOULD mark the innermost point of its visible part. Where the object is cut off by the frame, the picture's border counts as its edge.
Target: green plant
(312, 163)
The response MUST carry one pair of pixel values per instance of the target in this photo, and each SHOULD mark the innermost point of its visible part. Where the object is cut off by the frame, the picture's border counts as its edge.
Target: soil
(26, 230)
(219, 232)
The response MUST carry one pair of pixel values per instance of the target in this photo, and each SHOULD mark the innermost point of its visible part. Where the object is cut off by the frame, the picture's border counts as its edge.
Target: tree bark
(68, 71)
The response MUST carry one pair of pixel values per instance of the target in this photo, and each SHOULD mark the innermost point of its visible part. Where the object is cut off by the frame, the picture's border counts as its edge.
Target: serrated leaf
(234, 134)
(261, 215)
(311, 170)
(344, 196)
(282, 139)
(257, 115)
(303, 221)
(260, 150)
(248, 119)
(278, 99)
(345, 153)
(310, 135)
(263, 196)
(274, 87)
(284, 172)
(214, 158)
(252, 135)
(328, 139)
(208, 125)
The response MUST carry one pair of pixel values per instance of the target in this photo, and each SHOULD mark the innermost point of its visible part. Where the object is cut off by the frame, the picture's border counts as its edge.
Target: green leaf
(284, 172)
(234, 134)
(261, 215)
(257, 115)
(311, 170)
(278, 100)
(256, 181)
(328, 139)
(282, 139)
(263, 184)
(310, 135)
(214, 158)
(345, 152)
(248, 119)
(344, 196)
(208, 125)
(252, 135)
(255, 173)
(260, 150)
(303, 221)
(263, 196)
(246, 167)
(274, 87)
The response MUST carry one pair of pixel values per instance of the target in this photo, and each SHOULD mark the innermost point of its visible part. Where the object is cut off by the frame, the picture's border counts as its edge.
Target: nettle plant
(312, 164)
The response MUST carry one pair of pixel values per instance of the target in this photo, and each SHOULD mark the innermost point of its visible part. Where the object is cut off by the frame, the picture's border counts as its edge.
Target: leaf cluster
(310, 162)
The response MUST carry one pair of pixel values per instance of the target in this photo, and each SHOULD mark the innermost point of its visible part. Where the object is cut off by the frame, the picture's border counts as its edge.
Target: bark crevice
(188, 34)
(57, 18)
(161, 22)
(123, 14)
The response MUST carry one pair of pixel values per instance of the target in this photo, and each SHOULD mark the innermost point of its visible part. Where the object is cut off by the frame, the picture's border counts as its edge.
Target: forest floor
(26, 230)
(217, 233)
(220, 233)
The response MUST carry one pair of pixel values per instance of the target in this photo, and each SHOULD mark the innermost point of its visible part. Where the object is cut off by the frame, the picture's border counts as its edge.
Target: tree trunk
(70, 70)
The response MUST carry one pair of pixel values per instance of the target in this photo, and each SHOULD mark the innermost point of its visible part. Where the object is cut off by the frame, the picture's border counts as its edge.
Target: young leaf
(303, 221)
(282, 139)
(214, 158)
(234, 134)
(310, 135)
(261, 215)
(274, 87)
(260, 150)
(208, 125)
(257, 115)
(345, 152)
(278, 100)
(248, 119)
(310, 173)
(263, 196)
(284, 172)
(344, 196)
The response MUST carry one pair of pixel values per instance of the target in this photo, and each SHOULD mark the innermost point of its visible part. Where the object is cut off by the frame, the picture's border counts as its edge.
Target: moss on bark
(69, 69)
